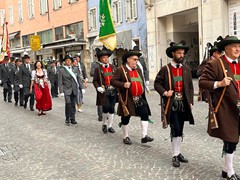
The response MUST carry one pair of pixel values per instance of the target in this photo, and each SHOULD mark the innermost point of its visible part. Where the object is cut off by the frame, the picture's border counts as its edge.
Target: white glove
(12, 86)
(21, 86)
(62, 94)
(83, 91)
(0, 81)
(147, 83)
(100, 89)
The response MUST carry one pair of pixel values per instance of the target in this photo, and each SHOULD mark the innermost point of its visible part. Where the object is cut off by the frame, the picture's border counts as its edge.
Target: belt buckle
(136, 98)
(178, 96)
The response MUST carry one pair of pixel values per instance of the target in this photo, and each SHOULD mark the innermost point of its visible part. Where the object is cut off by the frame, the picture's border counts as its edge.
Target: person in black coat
(6, 79)
(18, 92)
(25, 76)
(52, 72)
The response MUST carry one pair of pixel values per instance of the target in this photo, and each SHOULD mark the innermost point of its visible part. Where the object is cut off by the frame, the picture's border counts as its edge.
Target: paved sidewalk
(43, 147)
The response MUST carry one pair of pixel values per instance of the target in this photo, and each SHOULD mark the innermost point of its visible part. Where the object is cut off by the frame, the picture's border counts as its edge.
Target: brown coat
(98, 81)
(227, 115)
(118, 81)
(161, 84)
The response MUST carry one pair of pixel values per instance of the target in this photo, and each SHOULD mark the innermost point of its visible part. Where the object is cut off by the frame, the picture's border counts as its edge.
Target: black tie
(234, 62)
(178, 66)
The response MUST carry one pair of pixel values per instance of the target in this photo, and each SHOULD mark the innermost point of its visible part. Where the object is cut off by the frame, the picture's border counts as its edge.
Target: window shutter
(135, 9)
(120, 11)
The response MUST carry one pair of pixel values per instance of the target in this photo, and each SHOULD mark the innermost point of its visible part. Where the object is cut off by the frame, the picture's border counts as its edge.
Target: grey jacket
(66, 82)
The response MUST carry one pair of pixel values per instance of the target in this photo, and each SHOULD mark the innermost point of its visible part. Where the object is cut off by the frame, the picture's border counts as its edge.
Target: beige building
(61, 25)
(196, 21)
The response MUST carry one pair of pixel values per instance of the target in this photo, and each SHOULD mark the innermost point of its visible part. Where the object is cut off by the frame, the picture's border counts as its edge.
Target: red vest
(236, 73)
(136, 83)
(177, 77)
(107, 73)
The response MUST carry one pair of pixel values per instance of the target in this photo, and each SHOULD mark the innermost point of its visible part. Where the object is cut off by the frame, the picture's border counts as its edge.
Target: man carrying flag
(107, 33)
(5, 43)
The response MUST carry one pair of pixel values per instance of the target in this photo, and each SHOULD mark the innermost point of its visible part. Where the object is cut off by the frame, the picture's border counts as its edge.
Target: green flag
(107, 34)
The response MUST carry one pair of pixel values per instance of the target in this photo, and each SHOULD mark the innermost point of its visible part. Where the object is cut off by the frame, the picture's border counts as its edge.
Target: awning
(11, 36)
(59, 46)
(124, 40)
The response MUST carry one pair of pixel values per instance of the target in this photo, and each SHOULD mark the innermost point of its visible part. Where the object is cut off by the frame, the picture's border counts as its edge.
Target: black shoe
(224, 174)
(67, 122)
(25, 106)
(182, 159)
(99, 118)
(73, 121)
(9, 101)
(104, 129)
(31, 109)
(233, 177)
(16, 103)
(21, 104)
(146, 139)
(127, 141)
(56, 96)
(175, 161)
(111, 130)
(5, 100)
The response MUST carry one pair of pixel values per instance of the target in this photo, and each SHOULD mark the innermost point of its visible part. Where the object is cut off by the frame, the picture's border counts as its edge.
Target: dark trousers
(176, 123)
(109, 104)
(18, 96)
(54, 88)
(229, 147)
(70, 108)
(99, 111)
(7, 92)
(26, 97)
(142, 112)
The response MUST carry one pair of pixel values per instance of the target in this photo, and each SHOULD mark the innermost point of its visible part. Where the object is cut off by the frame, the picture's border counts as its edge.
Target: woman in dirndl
(41, 89)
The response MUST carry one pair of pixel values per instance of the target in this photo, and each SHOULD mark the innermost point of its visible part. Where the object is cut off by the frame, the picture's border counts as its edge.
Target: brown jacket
(98, 81)
(161, 84)
(227, 115)
(118, 81)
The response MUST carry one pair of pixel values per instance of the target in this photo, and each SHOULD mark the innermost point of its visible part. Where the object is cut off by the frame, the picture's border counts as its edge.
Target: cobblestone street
(43, 147)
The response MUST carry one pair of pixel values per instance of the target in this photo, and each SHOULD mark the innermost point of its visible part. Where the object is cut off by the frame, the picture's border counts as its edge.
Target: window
(26, 40)
(75, 31)
(130, 9)
(30, 9)
(57, 4)
(117, 11)
(20, 11)
(46, 36)
(2, 16)
(72, 1)
(92, 19)
(10, 14)
(43, 6)
(58, 33)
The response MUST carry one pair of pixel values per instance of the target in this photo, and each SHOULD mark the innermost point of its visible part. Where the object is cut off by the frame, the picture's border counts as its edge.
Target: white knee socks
(125, 131)
(104, 118)
(176, 141)
(229, 164)
(110, 120)
(144, 125)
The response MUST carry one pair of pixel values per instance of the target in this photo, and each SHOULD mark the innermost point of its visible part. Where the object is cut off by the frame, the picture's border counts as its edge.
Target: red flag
(5, 42)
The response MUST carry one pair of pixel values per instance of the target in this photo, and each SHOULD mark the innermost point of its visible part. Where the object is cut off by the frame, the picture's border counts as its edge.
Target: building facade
(196, 21)
(61, 25)
(129, 17)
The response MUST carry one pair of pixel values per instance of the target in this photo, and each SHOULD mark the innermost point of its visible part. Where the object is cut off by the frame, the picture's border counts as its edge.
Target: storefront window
(75, 31)
(46, 36)
(26, 40)
(58, 33)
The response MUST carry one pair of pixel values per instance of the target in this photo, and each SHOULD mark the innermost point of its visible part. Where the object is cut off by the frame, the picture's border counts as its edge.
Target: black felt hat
(134, 52)
(174, 46)
(26, 56)
(103, 52)
(225, 41)
(67, 57)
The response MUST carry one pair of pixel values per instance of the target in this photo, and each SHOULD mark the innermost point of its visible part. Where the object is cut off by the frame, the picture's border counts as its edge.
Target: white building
(196, 21)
